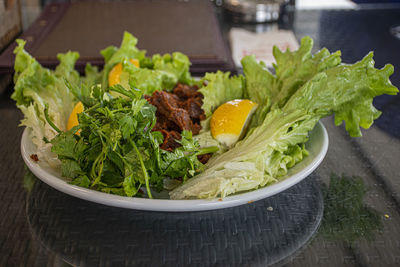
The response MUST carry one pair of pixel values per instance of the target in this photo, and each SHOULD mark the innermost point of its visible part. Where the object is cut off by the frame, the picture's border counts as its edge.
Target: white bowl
(317, 147)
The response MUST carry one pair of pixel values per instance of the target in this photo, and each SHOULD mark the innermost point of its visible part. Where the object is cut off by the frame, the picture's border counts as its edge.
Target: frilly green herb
(114, 150)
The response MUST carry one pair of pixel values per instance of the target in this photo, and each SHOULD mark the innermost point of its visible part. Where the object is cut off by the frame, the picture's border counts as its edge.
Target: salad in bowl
(143, 124)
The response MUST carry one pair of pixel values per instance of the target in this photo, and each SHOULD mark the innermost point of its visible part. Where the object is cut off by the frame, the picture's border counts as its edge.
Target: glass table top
(346, 213)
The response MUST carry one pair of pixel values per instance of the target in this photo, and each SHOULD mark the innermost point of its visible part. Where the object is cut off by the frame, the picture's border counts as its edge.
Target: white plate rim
(167, 205)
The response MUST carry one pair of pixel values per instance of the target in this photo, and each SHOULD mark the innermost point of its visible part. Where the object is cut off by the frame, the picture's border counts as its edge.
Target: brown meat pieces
(177, 111)
(204, 158)
(169, 140)
(164, 101)
(185, 92)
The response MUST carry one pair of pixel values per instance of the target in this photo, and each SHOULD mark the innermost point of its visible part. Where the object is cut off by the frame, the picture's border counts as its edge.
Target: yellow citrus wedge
(115, 73)
(229, 121)
(73, 117)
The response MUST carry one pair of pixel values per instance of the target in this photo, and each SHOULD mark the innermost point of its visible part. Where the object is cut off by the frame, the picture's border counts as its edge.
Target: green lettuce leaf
(348, 92)
(175, 67)
(155, 73)
(126, 51)
(166, 72)
(92, 75)
(292, 71)
(220, 88)
(277, 144)
(36, 86)
(258, 160)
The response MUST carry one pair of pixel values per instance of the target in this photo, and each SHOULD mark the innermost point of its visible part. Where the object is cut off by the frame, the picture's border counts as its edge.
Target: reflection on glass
(29, 179)
(346, 217)
(259, 233)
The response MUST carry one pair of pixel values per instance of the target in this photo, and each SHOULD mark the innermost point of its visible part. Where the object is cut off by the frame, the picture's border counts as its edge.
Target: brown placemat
(164, 26)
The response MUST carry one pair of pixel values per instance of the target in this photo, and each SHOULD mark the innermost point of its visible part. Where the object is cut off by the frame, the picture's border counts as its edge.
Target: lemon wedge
(229, 121)
(114, 76)
(73, 117)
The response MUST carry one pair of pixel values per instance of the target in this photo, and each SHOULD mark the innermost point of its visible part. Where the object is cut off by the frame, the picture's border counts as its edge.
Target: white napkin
(245, 43)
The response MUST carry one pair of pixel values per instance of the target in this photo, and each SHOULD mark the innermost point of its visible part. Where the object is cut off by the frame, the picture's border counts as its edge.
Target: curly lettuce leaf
(292, 71)
(160, 72)
(275, 145)
(258, 160)
(166, 71)
(175, 67)
(113, 55)
(348, 92)
(36, 86)
(220, 88)
(92, 75)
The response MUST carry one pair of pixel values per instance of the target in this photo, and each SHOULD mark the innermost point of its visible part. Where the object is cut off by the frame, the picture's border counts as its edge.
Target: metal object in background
(395, 31)
(255, 10)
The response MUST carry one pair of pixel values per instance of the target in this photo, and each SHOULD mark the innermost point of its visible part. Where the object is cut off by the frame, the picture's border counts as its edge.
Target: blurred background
(39, 22)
